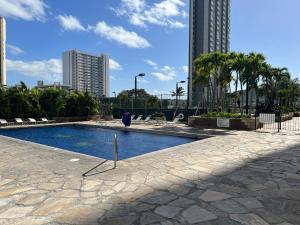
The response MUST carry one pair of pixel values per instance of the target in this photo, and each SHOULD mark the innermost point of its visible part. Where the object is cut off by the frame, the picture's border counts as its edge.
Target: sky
(139, 36)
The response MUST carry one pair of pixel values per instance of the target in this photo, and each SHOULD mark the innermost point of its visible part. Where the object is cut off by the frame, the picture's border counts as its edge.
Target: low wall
(75, 118)
(222, 123)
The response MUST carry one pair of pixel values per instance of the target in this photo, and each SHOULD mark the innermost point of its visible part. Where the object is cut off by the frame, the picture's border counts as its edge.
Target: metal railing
(116, 151)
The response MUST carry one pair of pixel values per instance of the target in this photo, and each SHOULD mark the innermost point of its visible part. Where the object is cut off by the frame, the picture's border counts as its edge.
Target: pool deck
(232, 178)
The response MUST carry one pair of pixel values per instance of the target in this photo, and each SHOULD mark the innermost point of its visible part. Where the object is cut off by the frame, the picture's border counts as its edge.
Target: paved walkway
(234, 178)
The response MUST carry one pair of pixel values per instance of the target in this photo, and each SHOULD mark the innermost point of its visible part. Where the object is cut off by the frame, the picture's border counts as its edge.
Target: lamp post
(115, 94)
(180, 82)
(135, 83)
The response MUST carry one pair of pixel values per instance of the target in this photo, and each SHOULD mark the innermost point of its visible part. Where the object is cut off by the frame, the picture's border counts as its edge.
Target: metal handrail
(116, 152)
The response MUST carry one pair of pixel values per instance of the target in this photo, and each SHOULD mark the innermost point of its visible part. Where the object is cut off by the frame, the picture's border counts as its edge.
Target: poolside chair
(31, 120)
(147, 120)
(3, 122)
(19, 121)
(45, 120)
(132, 117)
(138, 119)
(175, 121)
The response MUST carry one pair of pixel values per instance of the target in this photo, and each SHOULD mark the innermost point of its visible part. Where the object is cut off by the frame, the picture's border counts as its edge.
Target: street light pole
(135, 84)
(135, 87)
(176, 94)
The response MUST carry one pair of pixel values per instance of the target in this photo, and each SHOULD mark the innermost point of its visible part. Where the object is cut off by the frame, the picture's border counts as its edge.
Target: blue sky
(139, 36)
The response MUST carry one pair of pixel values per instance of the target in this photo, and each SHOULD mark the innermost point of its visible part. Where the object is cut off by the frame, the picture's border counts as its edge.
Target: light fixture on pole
(135, 83)
(115, 94)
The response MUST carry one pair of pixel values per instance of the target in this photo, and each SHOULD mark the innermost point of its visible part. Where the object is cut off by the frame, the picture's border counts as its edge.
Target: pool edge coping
(69, 152)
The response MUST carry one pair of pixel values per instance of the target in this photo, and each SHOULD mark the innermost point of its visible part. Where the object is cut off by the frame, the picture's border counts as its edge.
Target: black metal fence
(278, 121)
(169, 113)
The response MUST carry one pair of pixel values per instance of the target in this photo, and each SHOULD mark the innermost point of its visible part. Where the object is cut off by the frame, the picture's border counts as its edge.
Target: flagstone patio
(248, 178)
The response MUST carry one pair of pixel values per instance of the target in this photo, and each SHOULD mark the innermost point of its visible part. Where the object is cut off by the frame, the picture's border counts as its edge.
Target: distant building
(2, 51)
(209, 32)
(56, 85)
(85, 72)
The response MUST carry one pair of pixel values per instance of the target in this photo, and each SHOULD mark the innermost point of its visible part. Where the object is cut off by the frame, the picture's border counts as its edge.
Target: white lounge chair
(31, 120)
(132, 117)
(138, 119)
(175, 121)
(148, 119)
(3, 122)
(19, 121)
(45, 120)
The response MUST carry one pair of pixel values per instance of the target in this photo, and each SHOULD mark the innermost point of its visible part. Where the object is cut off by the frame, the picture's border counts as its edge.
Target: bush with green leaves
(224, 115)
(159, 114)
(20, 101)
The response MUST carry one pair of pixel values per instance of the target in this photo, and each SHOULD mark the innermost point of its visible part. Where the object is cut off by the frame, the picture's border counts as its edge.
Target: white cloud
(70, 23)
(135, 5)
(49, 70)
(120, 35)
(23, 9)
(142, 80)
(114, 65)
(185, 69)
(164, 13)
(166, 73)
(154, 92)
(151, 63)
(112, 77)
(14, 49)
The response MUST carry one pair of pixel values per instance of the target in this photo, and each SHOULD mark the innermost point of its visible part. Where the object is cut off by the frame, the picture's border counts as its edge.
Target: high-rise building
(2, 51)
(209, 32)
(85, 72)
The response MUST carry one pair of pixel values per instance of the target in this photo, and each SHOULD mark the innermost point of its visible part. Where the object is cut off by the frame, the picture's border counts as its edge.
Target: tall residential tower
(209, 32)
(2, 51)
(85, 72)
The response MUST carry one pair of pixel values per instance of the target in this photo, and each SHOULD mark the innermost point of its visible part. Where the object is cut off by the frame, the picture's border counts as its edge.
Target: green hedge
(20, 101)
(224, 115)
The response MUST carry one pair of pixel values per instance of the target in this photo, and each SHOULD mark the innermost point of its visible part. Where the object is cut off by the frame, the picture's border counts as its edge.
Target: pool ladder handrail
(116, 151)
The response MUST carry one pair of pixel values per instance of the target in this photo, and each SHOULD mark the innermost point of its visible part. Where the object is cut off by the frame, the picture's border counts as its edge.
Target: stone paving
(248, 178)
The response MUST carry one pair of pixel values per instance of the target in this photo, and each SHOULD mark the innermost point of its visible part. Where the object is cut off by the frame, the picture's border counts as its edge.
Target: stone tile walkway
(235, 178)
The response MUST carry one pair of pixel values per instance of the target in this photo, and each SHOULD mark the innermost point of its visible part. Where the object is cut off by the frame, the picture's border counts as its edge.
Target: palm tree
(208, 68)
(178, 93)
(255, 64)
(238, 65)
(224, 79)
(273, 83)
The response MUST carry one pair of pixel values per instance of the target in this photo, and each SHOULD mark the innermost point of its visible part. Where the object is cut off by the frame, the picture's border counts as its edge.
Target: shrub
(224, 115)
(20, 101)
(158, 114)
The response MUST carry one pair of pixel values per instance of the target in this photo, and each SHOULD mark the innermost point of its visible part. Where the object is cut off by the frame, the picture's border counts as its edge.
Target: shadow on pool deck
(244, 185)
(95, 170)
(263, 191)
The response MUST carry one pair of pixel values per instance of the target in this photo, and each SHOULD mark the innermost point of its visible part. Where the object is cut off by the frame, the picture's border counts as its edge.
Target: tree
(178, 93)
(4, 103)
(254, 67)
(238, 61)
(208, 68)
(153, 101)
(18, 97)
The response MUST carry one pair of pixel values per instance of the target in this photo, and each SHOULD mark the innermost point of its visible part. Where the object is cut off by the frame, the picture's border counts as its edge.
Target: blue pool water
(96, 141)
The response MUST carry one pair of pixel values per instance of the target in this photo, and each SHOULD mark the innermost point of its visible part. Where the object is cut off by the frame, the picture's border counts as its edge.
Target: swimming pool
(96, 141)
